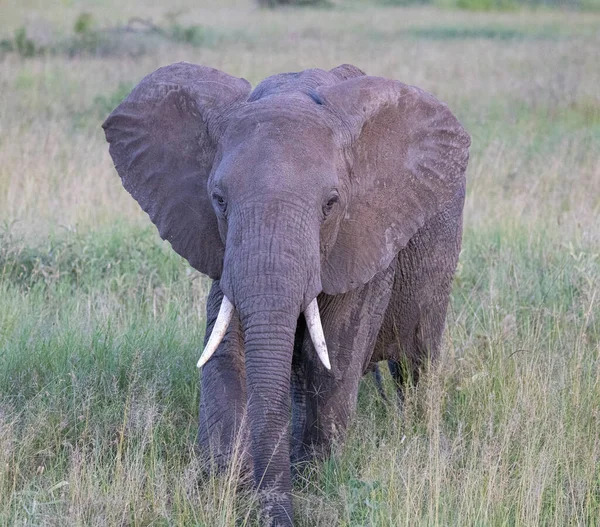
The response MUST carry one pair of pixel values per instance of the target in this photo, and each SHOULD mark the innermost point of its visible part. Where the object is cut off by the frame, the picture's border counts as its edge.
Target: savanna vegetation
(101, 323)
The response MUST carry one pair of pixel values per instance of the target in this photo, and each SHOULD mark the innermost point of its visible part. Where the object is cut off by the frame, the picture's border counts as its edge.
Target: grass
(101, 323)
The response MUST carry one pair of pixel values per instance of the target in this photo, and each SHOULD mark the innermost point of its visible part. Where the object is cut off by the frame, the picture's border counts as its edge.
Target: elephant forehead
(263, 162)
(301, 82)
(274, 155)
(281, 129)
(289, 111)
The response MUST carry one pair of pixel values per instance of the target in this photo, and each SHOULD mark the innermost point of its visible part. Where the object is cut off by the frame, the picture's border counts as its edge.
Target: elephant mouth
(313, 323)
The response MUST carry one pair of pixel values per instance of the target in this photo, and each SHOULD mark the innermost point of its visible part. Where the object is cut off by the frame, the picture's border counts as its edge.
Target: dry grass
(99, 323)
(543, 74)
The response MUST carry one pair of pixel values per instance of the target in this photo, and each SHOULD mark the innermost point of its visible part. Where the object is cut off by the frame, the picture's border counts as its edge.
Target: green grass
(99, 394)
(101, 323)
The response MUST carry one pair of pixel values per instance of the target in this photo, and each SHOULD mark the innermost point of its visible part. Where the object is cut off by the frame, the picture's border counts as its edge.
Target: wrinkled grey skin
(327, 184)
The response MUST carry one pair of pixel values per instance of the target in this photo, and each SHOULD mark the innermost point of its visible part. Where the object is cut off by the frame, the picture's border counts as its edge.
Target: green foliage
(86, 38)
(279, 3)
(136, 38)
(84, 24)
(104, 104)
(80, 262)
(401, 3)
(486, 5)
(101, 106)
(89, 39)
(499, 5)
(194, 35)
(461, 33)
(189, 34)
(22, 44)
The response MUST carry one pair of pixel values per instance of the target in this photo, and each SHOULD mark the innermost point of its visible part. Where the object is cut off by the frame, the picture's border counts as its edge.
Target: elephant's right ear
(163, 142)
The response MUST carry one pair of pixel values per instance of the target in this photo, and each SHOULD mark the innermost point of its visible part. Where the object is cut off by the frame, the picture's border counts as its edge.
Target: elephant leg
(351, 323)
(222, 433)
(412, 332)
(420, 349)
(404, 375)
(298, 394)
(379, 382)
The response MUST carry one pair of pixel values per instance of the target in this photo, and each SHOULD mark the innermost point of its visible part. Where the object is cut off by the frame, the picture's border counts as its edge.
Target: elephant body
(326, 185)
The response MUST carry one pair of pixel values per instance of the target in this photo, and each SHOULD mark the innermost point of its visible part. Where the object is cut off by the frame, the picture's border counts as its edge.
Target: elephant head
(310, 183)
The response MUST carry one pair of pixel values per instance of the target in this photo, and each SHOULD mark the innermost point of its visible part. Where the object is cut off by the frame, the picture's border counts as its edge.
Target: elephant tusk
(219, 330)
(315, 328)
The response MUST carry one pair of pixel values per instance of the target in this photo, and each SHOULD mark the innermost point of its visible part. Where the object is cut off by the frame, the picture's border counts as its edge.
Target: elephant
(326, 207)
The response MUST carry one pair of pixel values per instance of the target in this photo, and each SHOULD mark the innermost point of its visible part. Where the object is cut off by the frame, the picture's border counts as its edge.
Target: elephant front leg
(351, 323)
(298, 395)
(222, 433)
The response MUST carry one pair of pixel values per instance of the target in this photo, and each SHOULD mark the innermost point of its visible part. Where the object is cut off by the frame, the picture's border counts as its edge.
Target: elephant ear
(407, 155)
(163, 142)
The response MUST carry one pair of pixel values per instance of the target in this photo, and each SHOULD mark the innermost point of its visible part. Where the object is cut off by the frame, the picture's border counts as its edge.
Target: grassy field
(101, 323)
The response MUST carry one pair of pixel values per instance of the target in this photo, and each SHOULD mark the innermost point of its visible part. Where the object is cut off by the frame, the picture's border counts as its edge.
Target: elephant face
(311, 182)
(281, 164)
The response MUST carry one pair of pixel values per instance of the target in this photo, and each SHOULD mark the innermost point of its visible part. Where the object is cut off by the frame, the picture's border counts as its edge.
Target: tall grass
(101, 323)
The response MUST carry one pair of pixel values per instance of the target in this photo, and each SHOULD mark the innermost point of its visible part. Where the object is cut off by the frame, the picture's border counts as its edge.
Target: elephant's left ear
(407, 157)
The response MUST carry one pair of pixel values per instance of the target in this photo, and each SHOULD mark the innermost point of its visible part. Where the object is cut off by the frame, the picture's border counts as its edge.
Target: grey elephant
(326, 206)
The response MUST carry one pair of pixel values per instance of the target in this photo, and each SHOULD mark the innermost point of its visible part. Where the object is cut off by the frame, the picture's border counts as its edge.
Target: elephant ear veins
(408, 156)
(162, 141)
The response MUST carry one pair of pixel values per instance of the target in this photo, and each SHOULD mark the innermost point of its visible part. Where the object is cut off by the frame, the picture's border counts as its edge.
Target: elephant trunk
(313, 324)
(269, 340)
(271, 274)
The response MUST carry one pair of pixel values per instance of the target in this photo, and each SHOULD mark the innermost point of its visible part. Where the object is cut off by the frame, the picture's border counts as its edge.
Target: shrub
(104, 104)
(486, 5)
(84, 24)
(22, 44)
(137, 37)
(277, 3)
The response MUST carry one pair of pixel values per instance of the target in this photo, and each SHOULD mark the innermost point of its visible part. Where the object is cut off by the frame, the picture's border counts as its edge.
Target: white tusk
(315, 328)
(218, 332)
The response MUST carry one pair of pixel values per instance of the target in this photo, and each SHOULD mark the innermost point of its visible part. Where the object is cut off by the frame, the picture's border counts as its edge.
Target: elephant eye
(220, 202)
(334, 197)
